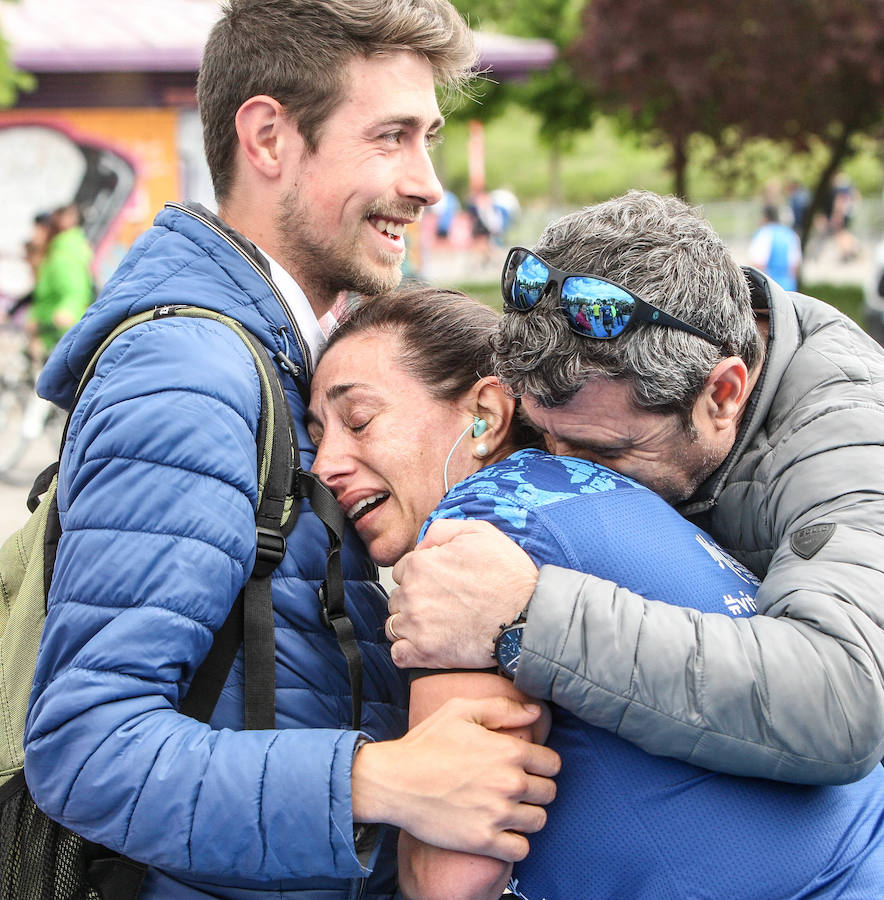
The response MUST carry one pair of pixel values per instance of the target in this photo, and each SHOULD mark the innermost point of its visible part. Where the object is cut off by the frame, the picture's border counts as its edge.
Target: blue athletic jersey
(627, 825)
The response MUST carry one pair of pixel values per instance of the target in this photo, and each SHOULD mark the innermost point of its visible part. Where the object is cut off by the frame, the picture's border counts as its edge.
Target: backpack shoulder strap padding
(22, 614)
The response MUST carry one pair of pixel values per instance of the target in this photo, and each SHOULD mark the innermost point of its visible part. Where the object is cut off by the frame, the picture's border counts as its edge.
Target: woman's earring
(481, 450)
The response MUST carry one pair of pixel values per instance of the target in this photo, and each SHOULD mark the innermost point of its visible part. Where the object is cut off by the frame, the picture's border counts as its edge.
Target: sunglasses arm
(644, 312)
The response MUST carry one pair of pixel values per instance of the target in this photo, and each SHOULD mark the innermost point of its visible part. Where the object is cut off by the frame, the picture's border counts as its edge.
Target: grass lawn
(846, 297)
(487, 292)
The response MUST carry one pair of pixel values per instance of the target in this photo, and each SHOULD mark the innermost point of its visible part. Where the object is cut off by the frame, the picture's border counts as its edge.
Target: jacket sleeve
(157, 496)
(795, 694)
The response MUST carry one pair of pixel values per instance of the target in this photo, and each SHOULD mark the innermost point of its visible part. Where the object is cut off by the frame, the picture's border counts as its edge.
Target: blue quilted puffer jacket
(157, 494)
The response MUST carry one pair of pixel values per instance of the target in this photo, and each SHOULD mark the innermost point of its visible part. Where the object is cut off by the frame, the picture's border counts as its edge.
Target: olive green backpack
(40, 858)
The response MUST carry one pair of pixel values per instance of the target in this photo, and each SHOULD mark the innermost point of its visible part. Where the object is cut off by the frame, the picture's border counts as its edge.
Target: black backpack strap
(250, 621)
(115, 877)
(331, 592)
(41, 484)
(272, 527)
(208, 681)
(52, 532)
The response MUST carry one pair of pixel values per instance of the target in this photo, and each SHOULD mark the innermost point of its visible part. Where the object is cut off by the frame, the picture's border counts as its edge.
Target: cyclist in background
(63, 285)
(61, 258)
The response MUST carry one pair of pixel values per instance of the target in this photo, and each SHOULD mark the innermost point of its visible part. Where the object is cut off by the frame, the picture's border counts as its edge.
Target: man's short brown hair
(297, 51)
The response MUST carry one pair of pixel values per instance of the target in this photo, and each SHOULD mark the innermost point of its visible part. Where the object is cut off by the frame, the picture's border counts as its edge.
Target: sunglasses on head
(593, 306)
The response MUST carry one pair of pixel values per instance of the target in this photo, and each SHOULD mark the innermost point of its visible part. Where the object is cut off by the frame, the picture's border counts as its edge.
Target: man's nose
(419, 180)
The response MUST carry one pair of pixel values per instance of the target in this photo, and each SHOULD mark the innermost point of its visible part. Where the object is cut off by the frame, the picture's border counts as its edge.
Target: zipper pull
(286, 364)
(282, 357)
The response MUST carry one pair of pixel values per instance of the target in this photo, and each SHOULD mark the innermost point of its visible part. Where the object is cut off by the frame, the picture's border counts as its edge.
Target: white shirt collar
(299, 305)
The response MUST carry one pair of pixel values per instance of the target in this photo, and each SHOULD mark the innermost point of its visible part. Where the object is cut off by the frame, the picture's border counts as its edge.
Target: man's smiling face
(342, 220)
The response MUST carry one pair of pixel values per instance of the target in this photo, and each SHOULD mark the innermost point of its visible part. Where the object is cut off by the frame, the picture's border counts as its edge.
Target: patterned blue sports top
(627, 825)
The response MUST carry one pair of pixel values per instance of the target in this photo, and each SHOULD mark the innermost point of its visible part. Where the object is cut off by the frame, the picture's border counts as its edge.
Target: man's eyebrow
(415, 122)
(599, 447)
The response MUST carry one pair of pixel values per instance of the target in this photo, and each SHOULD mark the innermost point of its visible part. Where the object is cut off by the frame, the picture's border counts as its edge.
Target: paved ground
(13, 508)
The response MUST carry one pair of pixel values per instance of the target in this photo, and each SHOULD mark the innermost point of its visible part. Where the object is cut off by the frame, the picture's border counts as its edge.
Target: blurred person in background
(775, 249)
(64, 285)
(33, 252)
(841, 203)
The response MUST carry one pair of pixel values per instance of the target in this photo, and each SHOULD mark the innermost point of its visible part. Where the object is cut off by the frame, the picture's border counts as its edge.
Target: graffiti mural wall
(118, 165)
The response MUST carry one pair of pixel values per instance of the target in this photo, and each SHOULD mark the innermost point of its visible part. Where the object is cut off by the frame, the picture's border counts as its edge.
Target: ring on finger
(393, 634)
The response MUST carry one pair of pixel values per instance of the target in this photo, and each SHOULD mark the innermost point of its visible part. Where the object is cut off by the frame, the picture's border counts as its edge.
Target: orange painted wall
(147, 138)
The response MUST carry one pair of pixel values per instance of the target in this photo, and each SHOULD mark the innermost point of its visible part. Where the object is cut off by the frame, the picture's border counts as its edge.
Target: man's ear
(724, 396)
(265, 135)
(490, 402)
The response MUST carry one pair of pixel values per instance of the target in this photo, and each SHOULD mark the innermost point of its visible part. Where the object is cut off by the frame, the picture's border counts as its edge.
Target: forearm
(431, 873)
(459, 780)
(731, 695)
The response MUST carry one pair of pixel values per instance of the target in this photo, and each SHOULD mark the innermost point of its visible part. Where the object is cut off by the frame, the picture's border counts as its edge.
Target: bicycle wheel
(17, 429)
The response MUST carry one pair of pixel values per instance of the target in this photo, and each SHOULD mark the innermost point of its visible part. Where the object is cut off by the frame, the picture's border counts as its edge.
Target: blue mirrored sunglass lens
(596, 308)
(526, 278)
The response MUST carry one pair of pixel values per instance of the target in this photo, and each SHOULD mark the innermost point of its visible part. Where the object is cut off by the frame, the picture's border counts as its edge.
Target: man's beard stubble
(325, 267)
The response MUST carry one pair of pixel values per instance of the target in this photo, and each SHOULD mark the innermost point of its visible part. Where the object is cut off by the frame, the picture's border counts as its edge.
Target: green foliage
(556, 20)
(566, 105)
(563, 104)
(795, 71)
(12, 80)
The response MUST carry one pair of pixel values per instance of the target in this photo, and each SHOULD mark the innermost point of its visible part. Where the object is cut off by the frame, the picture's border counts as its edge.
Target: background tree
(563, 103)
(12, 80)
(794, 71)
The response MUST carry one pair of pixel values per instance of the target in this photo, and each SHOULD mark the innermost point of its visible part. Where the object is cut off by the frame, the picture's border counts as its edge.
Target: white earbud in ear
(478, 427)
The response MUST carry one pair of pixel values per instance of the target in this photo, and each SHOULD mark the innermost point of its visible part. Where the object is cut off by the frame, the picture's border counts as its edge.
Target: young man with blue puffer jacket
(317, 117)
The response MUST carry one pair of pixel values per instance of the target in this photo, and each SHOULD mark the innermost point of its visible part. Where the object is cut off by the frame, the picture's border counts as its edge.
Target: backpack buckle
(169, 309)
(326, 616)
(271, 550)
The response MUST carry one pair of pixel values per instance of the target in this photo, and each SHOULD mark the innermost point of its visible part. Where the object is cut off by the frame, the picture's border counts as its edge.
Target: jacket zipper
(302, 346)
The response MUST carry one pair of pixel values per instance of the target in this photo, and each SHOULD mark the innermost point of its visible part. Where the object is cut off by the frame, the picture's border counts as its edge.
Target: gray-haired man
(762, 422)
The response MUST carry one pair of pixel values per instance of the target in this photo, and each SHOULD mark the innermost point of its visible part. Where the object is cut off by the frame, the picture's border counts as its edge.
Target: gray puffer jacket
(795, 694)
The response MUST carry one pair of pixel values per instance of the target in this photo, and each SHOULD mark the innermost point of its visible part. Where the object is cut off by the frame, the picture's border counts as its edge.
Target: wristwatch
(508, 645)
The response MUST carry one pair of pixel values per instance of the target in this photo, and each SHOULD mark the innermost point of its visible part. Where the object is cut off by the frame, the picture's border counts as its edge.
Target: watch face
(509, 649)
